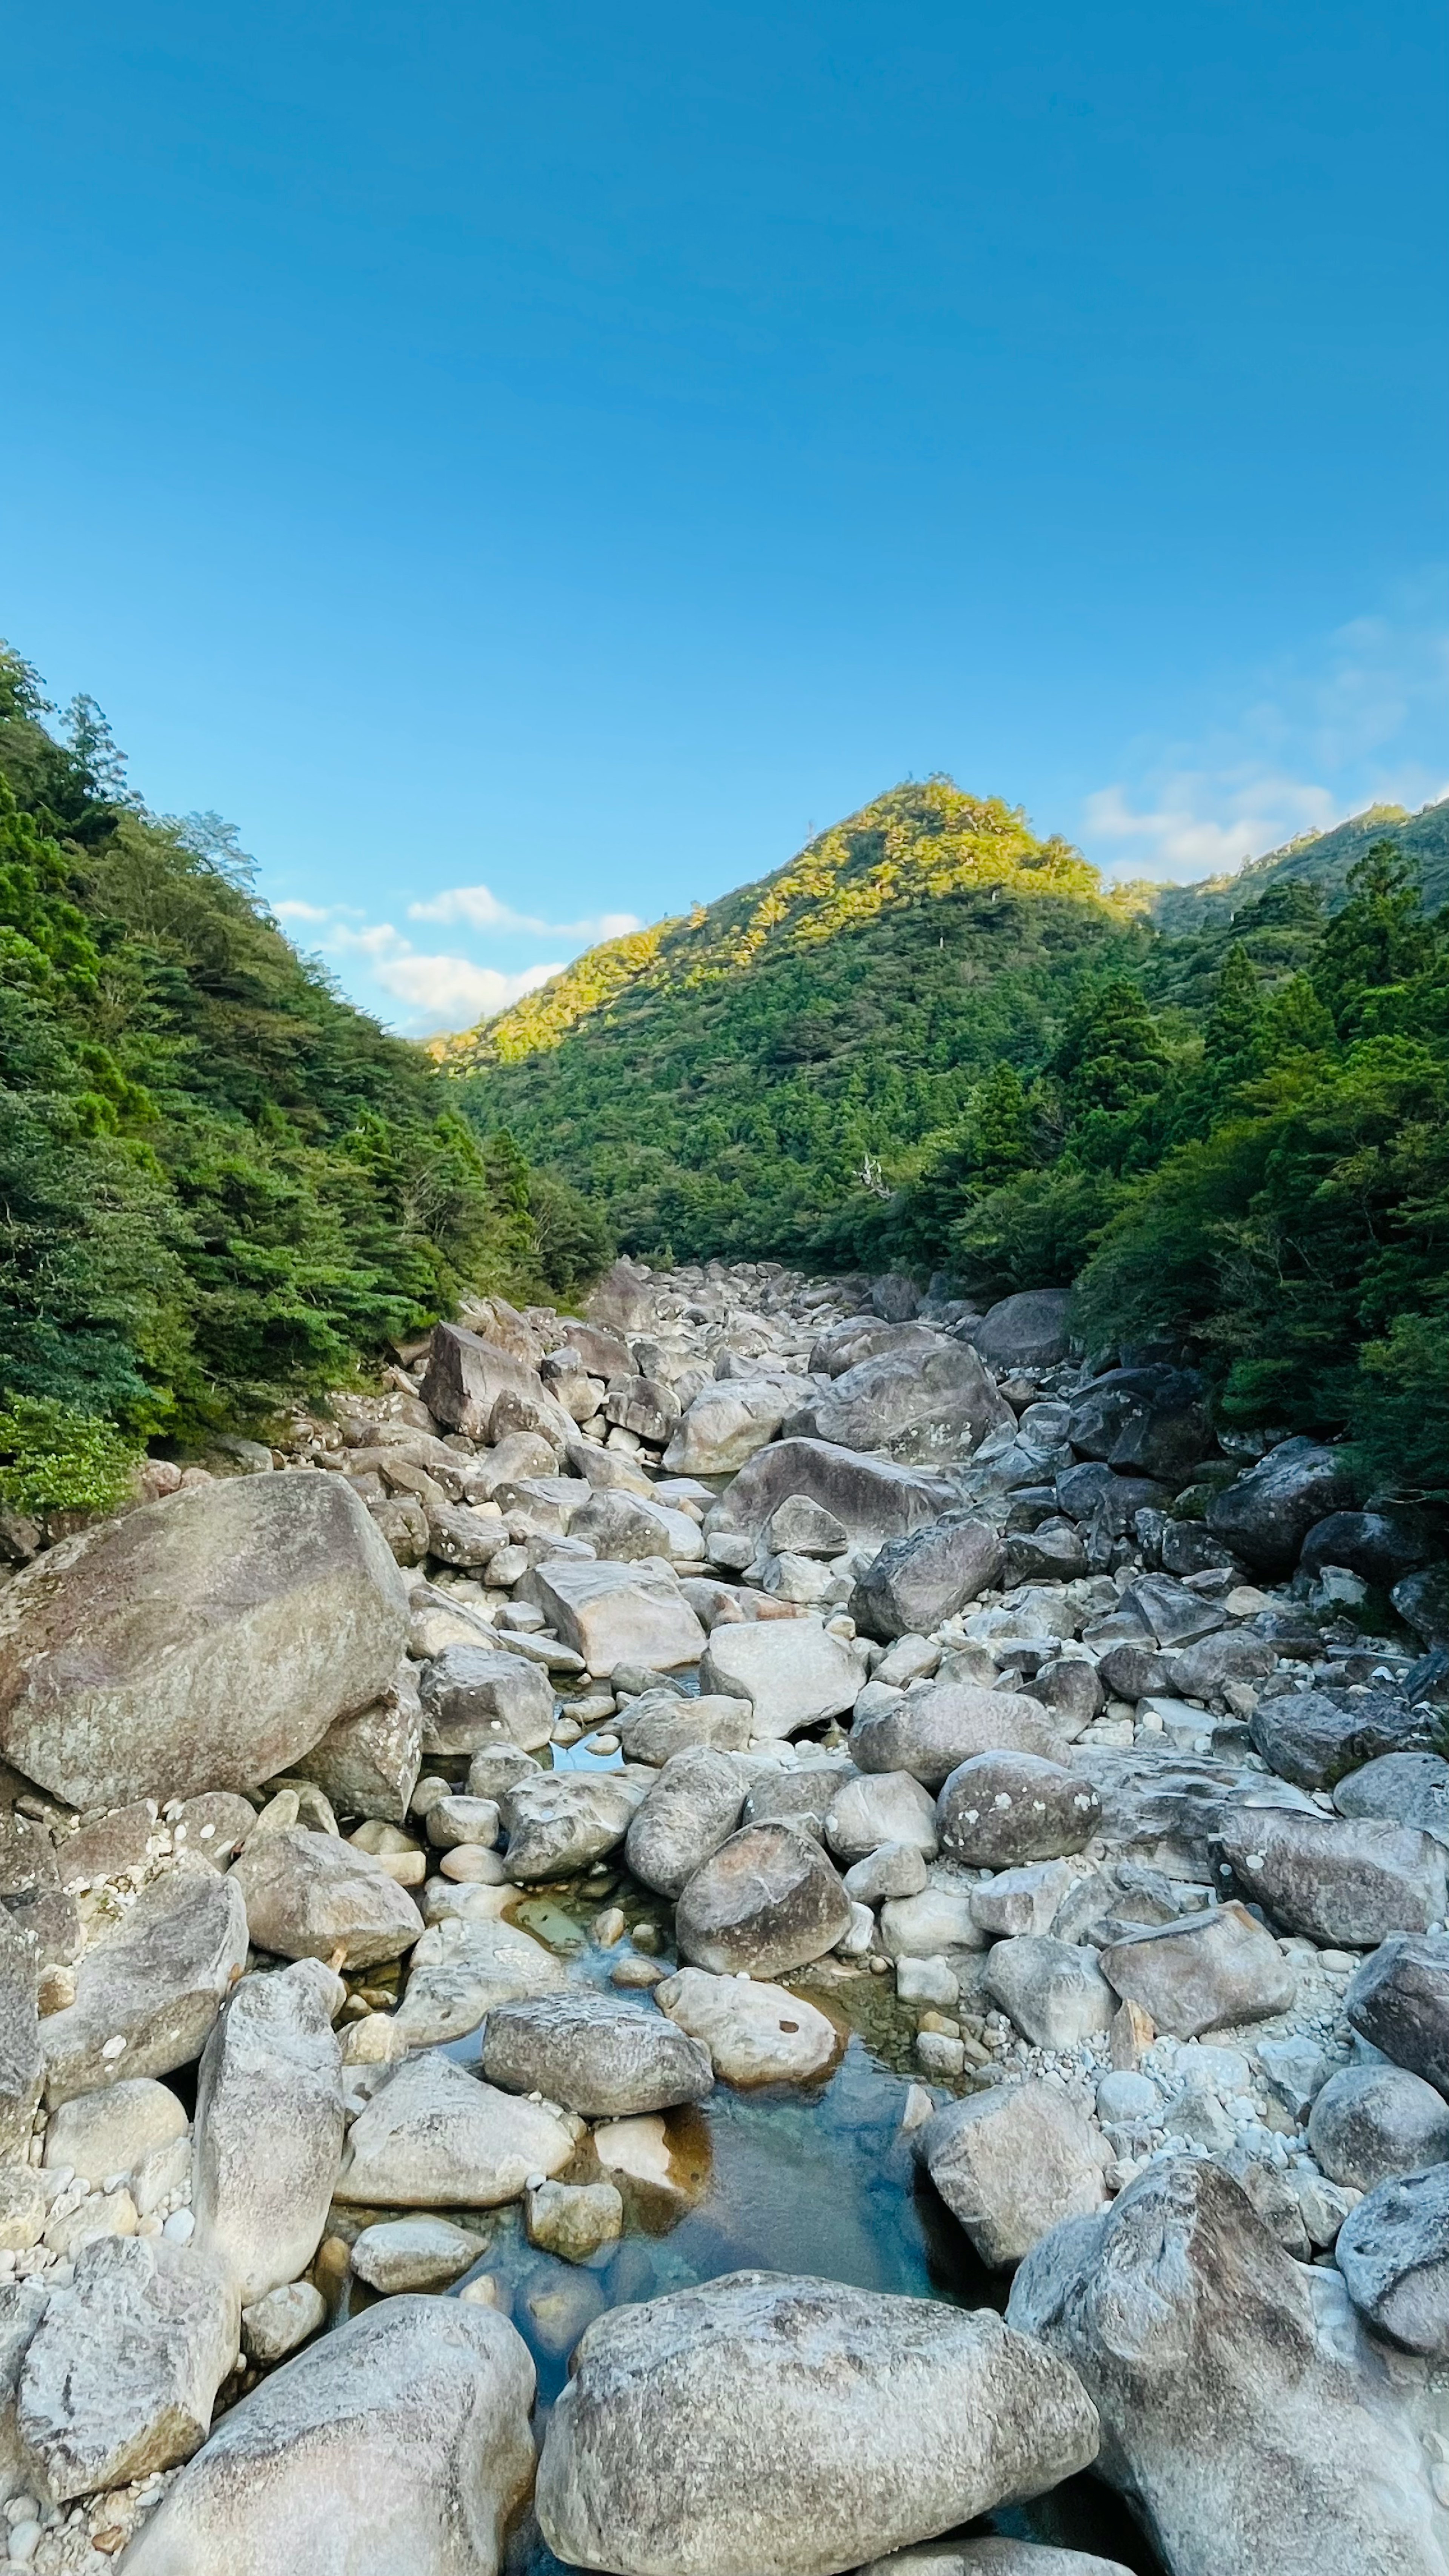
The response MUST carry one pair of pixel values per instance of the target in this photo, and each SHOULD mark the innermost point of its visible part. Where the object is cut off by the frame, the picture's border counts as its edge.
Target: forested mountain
(1321, 860)
(734, 1080)
(220, 1185)
(935, 1041)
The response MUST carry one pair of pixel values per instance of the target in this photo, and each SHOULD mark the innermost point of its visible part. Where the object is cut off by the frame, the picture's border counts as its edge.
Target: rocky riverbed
(779, 1931)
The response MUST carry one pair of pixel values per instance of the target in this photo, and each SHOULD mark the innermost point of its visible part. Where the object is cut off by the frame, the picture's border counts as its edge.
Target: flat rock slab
(793, 1671)
(397, 2446)
(755, 2033)
(125, 2365)
(157, 1984)
(433, 2137)
(767, 1901)
(795, 2428)
(618, 1614)
(595, 2054)
(1011, 2164)
(203, 1642)
(308, 1895)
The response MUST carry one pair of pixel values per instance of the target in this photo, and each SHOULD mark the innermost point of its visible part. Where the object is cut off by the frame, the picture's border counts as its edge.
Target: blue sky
(528, 466)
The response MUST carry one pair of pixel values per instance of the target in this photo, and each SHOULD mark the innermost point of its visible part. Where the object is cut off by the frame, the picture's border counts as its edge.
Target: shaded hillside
(730, 1081)
(1321, 860)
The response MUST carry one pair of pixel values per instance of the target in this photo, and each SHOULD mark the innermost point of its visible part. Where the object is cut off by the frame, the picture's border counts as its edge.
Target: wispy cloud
(1315, 738)
(480, 907)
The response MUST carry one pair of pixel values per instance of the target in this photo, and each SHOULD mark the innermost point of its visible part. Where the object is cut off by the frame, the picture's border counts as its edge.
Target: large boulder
(1053, 1990)
(460, 1970)
(617, 1614)
(917, 1406)
(1371, 2124)
(767, 1901)
(1141, 1422)
(203, 1642)
(560, 1821)
(1266, 1515)
(659, 1724)
(268, 2128)
(1248, 2425)
(623, 1528)
(1026, 1331)
(1346, 1881)
(1011, 2163)
(475, 1696)
(1203, 1972)
(728, 1421)
(1403, 1788)
(310, 1895)
(795, 2428)
(1399, 2002)
(597, 2054)
(755, 2033)
(1000, 1810)
(874, 1498)
(1317, 1737)
(940, 1724)
(156, 1985)
(1393, 2252)
(929, 1575)
(876, 1807)
(122, 2371)
(693, 1807)
(466, 1376)
(368, 1764)
(397, 2446)
(1422, 1602)
(794, 1671)
(434, 2137)
(1381, 1545)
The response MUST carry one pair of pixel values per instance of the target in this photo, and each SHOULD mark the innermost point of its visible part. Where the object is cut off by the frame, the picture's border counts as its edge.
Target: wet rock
(1025, 1331)
(1399, 2001)
(915, 1405)
(1370, 2124)
(693, 1808)
(401, 2254)
(1250, 2427)
(1012, 2163)
(308, 1895)
(156, 1984)
(1203, 1972)
(596, 2054)
(755, 2033)
(1393, 2252)
(573, 2220)
(560, 1821)
(1000, 1810)
(875, 1499)
(433, 2137)
(919, 1580)
(700, 2432)
(1316, 1738)
(477, 1696)
(943, 1723)
(1266, 1515)
(659, 1724)
(1343, 1881)
(268, 2128)
(1053, 1990)
(461, 1970)
(767, 1901)
(125, 2364)
(396, 2446)
(882, 1807)
(617, 1614)
(794, 1672)
(281, 2322)
(203, 1642)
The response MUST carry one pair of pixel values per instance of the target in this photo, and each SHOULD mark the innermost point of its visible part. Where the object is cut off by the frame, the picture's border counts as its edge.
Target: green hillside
(1319, 859)
(736, 1080)
(220, 1185)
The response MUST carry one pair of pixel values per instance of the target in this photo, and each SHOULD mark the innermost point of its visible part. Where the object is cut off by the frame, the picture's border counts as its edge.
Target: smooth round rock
(1371, 2124)
(1001, 1809)
(1393, 2252)
(767, 1901)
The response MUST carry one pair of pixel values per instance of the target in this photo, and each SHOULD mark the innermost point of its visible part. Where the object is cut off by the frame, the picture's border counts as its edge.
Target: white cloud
(451, 992)
(480, 907)
(1314, 738)
(294, 911)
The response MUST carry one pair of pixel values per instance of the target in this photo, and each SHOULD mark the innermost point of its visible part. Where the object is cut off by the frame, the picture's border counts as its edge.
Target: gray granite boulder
(939, 1724)
(919, 1580)
(767, 1901)
(310, 1895)
(1370, 2124)
(1001, 1810)
(596, 2054)
(156, 1983)
(269, 2128)
(1344, 1881)
(125, 2364)
(1399, 2001)
(1393, 2252)
(693, 1807)
(1011, 2163)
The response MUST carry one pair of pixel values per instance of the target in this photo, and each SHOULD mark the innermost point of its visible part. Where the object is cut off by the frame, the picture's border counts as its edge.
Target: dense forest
(933, 1041)
(221, 1187)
